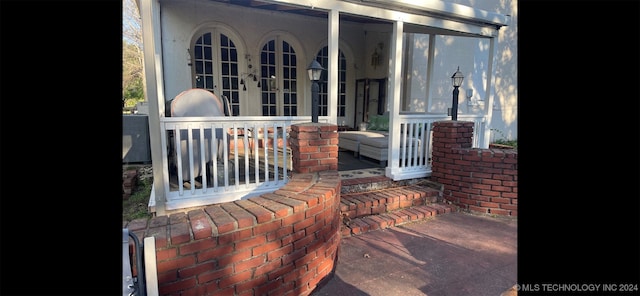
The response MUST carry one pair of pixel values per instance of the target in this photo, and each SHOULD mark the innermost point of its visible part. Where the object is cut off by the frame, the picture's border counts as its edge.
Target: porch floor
(350, 166)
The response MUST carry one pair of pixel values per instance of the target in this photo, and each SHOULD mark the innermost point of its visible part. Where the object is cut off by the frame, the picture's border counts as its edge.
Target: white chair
(198, 103)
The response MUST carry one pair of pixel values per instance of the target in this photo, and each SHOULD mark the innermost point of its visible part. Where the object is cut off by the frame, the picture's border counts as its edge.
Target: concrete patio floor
(451, 254)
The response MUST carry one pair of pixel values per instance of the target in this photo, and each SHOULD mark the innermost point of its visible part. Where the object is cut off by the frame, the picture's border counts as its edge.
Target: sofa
(377, 128)
(373, 142)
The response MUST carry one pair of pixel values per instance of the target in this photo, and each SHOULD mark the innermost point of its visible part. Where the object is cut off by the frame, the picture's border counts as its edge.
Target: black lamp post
(456, 79)
(315, 71)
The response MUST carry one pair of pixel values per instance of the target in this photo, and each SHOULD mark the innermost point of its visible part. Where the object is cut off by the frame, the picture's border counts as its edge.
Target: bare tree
(132, 56)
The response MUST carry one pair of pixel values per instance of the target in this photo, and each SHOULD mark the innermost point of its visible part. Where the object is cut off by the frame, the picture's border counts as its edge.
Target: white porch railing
(250, 155)
(245, 156)
(414, 159)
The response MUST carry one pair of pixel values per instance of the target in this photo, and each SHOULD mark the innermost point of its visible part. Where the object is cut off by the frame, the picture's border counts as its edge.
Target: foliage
(513, 143)
(132, 56)
(503, 139)
(136, 206)
(133, 92)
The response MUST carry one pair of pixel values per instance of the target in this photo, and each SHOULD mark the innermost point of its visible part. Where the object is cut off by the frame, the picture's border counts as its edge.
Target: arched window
(215, 67)
(278, 74)
(323, 58)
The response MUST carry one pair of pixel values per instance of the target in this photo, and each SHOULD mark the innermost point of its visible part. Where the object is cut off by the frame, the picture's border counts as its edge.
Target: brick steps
(369, 210)
(365, 224)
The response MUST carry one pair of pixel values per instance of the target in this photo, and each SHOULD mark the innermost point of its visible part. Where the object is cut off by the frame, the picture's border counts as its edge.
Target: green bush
(513, 143)
(136, 206)
(503, 140)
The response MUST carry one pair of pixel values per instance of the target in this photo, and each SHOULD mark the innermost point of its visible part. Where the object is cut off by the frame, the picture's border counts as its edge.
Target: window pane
(234, 53)
(223, 40)
(224, 55)
(209, 82)
(207, 53)
(225, 69)
(198, 52)
(234, 69)
(272, 98)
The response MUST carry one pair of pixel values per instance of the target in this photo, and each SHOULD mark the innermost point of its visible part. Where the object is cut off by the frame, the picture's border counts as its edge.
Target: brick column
(448, 137)
(483, 181)
(452, 134)
(314, 147)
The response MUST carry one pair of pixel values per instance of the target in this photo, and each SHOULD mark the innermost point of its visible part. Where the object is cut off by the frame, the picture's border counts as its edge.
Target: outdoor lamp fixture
(315, 71)
(456, 79)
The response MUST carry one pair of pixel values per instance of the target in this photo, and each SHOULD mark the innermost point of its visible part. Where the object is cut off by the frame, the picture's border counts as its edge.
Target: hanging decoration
(376, 57)
(251, 73)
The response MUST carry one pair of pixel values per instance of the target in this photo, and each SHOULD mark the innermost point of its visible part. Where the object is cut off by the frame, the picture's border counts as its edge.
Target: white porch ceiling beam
(458, 18)
(447, 9)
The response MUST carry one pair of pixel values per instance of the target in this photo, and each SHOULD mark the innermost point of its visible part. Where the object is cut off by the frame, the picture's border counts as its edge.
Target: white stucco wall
(505, 68)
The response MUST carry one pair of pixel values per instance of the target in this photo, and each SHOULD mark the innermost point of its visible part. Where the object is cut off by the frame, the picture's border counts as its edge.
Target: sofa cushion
(382, 142)
(359, 135)
(376, 142)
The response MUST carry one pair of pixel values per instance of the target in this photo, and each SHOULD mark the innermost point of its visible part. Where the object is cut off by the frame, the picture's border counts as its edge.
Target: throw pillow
(373, 123)
(383, 122)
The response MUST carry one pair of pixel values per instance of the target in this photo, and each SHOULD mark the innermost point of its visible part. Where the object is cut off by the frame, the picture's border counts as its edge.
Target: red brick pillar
(446, 163)
(314, 147)
(448, 135)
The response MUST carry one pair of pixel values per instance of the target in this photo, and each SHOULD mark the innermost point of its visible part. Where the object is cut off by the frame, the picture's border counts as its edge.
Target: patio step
(369, 210)
(382, 182)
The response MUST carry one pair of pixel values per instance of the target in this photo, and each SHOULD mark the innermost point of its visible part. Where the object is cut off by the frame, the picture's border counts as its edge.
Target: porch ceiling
(300, 10)
(441, 20)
